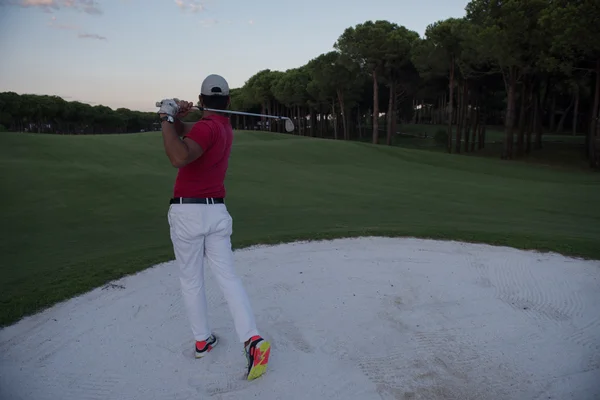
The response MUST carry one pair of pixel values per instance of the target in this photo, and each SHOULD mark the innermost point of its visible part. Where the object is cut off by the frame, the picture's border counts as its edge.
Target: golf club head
(289, 125)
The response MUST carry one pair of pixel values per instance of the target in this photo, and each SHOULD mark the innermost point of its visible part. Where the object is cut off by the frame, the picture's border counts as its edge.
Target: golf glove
(169, 107)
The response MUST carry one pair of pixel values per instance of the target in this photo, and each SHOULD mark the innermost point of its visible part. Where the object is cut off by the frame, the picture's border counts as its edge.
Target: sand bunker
(371, 318)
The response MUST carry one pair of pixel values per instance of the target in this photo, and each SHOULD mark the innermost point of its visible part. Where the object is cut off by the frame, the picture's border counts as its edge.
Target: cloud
(38, 3)
(80, 34)
(54, 25)
(207, 23)
(91, 36)
(87, 6)
(251, 22)
(49, 6)
(45, 5)
(192, 6)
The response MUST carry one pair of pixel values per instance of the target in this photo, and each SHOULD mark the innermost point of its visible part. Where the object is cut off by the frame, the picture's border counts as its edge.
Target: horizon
(95, 52)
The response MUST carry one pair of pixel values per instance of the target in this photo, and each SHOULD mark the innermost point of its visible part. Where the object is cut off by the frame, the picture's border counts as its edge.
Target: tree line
(532, 66)
(53, 114)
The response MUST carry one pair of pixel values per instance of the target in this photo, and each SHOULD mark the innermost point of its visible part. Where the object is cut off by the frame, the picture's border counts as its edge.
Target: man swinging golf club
(200, 224)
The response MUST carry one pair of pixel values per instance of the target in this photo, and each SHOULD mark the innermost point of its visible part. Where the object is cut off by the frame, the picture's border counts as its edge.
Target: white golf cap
(215, 85)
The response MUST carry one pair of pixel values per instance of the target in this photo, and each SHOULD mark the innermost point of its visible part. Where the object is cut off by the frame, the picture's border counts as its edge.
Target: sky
(132, 53)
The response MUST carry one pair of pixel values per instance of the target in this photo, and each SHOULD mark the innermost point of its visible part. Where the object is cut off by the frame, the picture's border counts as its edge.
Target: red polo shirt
(205, 176)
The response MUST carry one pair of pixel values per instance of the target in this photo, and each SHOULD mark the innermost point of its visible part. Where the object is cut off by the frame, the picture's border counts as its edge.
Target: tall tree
(397, 69)
(335, 73)
(290, 90)
(366, 44)
(507, 31)
(438, 54)
(259, 90)
(575, 45)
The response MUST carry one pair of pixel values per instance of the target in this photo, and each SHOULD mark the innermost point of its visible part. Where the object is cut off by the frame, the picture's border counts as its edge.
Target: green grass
(79, 211)
(493, 133)
(563, 151)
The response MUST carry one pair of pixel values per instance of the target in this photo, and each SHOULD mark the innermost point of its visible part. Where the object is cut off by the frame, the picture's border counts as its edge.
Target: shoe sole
(264, 351)
(204, 353)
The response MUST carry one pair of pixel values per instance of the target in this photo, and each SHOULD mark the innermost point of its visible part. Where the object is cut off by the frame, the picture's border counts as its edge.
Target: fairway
(79, 211)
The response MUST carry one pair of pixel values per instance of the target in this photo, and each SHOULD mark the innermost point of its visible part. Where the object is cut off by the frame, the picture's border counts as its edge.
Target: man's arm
(180, 151)
(183, 128)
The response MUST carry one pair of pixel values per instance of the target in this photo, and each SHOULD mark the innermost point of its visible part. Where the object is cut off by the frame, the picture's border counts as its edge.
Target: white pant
(204, 230)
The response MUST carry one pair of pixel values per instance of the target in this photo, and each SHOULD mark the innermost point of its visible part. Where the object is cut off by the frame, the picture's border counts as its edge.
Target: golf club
(289, 125)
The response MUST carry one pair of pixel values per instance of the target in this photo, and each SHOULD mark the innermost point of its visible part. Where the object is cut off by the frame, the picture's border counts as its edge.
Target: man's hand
(184, 108)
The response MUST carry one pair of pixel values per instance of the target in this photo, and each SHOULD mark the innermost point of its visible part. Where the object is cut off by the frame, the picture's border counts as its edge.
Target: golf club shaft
(239, 112)
(289, 125)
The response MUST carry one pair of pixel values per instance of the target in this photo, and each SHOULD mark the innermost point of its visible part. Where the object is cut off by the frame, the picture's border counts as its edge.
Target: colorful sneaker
(257, 352)
(205, 346)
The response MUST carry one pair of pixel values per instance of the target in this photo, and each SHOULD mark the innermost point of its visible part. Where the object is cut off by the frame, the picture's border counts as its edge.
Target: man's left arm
(183, 128)
(180, 151)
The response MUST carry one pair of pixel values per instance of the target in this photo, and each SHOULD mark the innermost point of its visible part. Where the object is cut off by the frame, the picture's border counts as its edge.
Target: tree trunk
(395, 112)
(595, 122)
(462, 110)
(270, 112)
(475, 115)
(510, 114)
(375, 109)
(561, 123)
(483, 133)
(323, 118)
(576, 111)
(351, 126)
(458, 120)
(552, 113)
(529, 128)
(440, 113)
(538, 125)
(469, 108)
(390, 114)
(468, 125)
(359, 117)
(340, 95)
(313, 121)
(521, 132)
(481, 144)
(482, 121)
(450, 104)
(282, 110)
(334, 118)
(534, 121)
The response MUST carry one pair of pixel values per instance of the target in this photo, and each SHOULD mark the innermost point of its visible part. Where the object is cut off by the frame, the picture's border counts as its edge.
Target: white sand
(370, 318)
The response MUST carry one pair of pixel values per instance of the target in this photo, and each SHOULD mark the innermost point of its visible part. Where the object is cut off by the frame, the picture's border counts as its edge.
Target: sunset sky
(131, 53)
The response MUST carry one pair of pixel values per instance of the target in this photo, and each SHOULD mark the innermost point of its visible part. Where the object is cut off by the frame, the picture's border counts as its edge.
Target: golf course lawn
(78, 211)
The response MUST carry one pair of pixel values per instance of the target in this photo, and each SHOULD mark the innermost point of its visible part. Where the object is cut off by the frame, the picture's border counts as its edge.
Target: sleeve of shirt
(201, 134)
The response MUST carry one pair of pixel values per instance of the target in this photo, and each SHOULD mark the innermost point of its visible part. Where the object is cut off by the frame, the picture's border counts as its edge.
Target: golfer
(200, 224)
